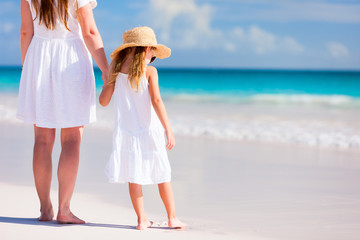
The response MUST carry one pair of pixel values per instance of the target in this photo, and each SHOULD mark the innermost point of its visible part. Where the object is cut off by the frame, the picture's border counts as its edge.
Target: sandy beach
(223, 190)
(263, 98)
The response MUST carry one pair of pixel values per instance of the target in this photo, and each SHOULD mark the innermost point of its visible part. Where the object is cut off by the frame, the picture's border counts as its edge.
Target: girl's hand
(170, 140)
(106, 93)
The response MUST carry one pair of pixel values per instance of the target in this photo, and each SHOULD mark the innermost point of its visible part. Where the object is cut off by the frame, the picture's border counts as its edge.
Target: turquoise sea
(234, 81)
(327, 87)
(315, 108)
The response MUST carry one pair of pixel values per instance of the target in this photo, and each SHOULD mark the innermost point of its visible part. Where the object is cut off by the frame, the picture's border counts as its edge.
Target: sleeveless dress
(139, 154)
(57, 86)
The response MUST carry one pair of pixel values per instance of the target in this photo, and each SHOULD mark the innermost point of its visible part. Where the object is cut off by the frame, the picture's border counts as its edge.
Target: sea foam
(321, 132)
(310, 133)
(337, 101)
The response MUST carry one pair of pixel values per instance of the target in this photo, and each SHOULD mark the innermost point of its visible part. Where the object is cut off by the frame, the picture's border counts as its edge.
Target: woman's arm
(159, 106)
(26, 28)
(92, 38)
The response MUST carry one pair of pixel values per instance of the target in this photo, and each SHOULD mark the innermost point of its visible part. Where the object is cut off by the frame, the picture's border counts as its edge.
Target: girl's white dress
(139, 154)
(57, 86)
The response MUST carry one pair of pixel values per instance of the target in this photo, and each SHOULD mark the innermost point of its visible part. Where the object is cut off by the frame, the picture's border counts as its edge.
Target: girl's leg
(42, 167)
(67, 172)
(137, 200)
(167, 197)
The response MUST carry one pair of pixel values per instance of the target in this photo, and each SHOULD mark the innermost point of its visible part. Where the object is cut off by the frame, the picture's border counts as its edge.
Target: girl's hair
(137, 66)
(47, 11)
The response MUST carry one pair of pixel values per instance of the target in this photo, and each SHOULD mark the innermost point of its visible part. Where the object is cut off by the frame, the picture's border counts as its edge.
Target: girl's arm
(158, 105)
(93, 39)
(26, 29)
(106, 94)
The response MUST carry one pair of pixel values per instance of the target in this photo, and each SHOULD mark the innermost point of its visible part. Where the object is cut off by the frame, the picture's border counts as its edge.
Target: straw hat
(144, 37)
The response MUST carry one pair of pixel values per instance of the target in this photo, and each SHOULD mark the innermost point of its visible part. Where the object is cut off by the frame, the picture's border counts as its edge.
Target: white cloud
(230, 47)
(291, 45)
(337, 49)
(295, 10)
(184, 24)
(238, 32)
(261, 40)
(234, 39)
(6, 27)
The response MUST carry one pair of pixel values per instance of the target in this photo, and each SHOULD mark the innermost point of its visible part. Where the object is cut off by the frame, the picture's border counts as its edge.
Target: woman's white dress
(57, 87)
(139, 154)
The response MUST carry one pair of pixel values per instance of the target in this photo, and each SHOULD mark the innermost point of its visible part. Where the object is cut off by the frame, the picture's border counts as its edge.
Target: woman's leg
(42, 167)
(137, 200)
(167, 197)
(67, 172)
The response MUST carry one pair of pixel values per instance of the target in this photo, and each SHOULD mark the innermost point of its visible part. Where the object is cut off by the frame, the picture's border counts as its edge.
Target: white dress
(57, 86)
(139, 154)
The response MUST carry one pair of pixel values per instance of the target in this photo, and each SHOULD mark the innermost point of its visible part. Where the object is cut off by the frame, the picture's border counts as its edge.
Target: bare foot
(144, 225)
(46, 215)
(177, 224)
(68, 218)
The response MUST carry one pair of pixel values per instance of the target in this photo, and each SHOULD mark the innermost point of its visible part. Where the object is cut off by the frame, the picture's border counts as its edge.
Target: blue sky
(286, 34)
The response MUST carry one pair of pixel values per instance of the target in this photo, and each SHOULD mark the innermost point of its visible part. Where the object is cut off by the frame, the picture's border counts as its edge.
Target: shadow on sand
(35, 221)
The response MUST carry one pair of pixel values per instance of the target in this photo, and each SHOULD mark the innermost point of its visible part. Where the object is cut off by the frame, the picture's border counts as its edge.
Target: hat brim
(161, 51)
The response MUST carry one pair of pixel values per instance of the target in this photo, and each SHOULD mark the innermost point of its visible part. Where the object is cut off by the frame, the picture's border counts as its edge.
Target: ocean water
(311, 108)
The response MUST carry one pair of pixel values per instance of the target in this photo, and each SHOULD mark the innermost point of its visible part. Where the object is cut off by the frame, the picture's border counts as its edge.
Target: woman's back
(57, 88)
(60, 31)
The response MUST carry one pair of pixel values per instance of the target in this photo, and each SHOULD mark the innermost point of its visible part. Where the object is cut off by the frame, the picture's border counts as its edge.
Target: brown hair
(137, 66)
(47, 12)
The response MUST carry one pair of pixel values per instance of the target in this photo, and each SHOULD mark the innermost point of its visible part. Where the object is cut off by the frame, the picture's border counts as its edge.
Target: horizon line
(238, 68)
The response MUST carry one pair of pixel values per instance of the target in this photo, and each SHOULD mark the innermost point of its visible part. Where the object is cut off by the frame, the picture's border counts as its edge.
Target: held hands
(105, 77)
(107, 90)
(170, 140)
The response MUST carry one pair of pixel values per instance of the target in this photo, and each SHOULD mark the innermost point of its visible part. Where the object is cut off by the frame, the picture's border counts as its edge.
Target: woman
(57, 90)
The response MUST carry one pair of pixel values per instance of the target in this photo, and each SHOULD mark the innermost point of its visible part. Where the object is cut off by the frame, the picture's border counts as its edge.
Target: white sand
(104, 220)
(223, 190)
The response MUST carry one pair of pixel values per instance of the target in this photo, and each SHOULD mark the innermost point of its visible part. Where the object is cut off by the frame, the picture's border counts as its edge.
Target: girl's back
(133, 110)
(139, 153)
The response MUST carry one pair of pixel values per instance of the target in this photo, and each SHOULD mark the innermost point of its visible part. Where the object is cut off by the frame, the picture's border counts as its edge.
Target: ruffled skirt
(139, 157)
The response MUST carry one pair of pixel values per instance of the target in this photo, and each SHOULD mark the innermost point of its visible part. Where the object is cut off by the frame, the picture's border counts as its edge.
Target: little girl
(139, 155)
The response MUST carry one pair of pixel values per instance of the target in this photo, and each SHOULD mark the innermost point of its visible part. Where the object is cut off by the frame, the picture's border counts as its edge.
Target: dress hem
(148, 182)
(46, 125)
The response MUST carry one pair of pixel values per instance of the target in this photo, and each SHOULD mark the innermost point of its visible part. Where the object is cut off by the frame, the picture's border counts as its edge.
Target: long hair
(47, 11)
(137, 66)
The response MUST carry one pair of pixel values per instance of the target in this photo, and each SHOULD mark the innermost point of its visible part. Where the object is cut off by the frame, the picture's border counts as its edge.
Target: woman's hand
(170, 140)
(105, 77)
